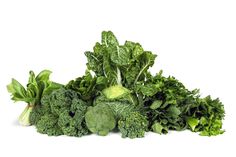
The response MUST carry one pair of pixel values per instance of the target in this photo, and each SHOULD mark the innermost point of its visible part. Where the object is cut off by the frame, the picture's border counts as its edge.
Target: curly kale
(72, 121)
(61, 100)
(133, 125)
(48, 125)
(61, 113)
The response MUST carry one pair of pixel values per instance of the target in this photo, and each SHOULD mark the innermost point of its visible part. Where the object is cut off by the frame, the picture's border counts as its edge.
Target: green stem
(24, 117)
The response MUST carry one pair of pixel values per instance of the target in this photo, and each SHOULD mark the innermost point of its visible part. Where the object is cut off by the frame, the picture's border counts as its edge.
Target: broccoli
(133, 125)
(100, 119)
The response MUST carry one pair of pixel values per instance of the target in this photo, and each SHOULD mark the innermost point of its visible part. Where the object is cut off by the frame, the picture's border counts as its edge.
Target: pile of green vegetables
(116, 93)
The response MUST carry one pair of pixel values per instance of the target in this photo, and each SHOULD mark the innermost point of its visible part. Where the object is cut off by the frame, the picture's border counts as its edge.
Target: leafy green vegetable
(156, 104)
(133, 125)
(164, 101)
(209, 114)
(119, 64)
(192, 122)
(87, 86)
(171, 106)
(100, 119)
(72, 122)
(36, 88)
(121, 103)
(48, 125)
(117, 92)
(24, 116)
(61, 113)
(158, 128)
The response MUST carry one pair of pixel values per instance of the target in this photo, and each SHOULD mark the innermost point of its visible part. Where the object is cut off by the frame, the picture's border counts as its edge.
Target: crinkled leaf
(120, 55)
(109, 39)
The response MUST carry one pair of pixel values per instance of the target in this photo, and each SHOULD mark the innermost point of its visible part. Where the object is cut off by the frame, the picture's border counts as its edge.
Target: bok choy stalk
(37, 86)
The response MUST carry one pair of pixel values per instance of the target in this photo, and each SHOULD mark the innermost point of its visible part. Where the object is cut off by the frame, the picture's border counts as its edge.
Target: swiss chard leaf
(109, 39)
(120, 64)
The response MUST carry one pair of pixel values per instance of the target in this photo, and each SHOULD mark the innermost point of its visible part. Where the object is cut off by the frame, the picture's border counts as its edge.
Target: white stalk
(24, 117)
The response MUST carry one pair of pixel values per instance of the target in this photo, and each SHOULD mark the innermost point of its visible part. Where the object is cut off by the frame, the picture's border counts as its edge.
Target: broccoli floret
(133, 125)
(100, 119)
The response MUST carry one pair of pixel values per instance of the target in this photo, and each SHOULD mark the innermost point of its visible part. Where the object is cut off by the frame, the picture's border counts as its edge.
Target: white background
(195, 41)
